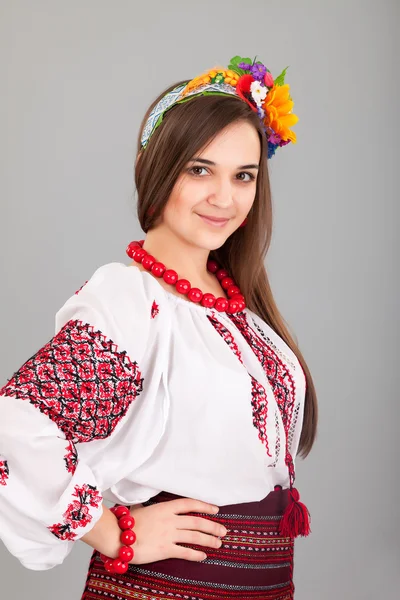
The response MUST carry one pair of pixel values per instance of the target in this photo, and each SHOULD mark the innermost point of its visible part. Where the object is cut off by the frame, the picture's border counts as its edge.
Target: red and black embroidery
(79, 380)
(259, 401)
(71, 458)
(78, 512)
(279, 377)
(154, 309)
(77, 291)
(226, 335)
(4, 471)
(284, 357)
(260, 411)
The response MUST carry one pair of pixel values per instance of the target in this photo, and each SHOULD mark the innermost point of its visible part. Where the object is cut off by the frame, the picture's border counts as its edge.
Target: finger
(200, 524)
(188, 554)
(186, 505)
(198, 539)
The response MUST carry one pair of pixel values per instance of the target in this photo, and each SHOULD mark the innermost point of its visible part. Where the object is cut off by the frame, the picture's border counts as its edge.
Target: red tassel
(296, 518)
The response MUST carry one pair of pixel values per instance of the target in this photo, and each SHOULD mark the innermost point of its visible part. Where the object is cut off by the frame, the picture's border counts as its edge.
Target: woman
(182, 399)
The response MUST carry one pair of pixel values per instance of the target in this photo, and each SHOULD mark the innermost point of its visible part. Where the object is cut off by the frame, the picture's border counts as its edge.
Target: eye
(250, 175)
(193, 169)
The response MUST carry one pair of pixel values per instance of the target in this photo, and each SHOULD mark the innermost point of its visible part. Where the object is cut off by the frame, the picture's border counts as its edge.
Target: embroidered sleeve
(73, 391)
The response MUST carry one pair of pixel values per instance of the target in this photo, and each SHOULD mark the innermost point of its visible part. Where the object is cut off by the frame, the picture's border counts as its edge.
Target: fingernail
(215, 508)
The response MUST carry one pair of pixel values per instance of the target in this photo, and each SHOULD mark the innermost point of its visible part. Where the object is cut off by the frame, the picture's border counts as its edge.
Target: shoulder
(120, 302)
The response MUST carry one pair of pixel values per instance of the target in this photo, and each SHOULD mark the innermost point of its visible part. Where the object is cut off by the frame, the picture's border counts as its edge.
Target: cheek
(183, 199)
(245, 198)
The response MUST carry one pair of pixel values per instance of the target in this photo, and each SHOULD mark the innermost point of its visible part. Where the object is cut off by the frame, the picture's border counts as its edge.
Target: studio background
(76, 79)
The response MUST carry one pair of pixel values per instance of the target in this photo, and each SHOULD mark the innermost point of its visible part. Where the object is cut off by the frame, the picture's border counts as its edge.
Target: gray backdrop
(76, 78)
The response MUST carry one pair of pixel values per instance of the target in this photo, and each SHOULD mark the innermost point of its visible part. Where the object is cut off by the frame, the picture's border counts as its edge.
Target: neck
(190, 262)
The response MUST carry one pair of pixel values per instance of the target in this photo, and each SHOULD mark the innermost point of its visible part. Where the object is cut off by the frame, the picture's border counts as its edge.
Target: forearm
(104, 536)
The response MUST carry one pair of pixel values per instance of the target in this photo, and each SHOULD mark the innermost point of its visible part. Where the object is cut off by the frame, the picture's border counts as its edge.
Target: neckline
(178, 299)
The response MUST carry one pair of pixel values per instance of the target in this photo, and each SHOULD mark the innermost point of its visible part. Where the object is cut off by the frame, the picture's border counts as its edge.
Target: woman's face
(219, 182)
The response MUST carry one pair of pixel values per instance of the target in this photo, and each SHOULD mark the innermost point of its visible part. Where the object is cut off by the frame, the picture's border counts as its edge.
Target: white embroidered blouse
(141, 391)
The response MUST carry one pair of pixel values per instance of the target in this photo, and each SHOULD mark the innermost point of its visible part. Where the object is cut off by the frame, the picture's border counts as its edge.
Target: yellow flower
(278, 115)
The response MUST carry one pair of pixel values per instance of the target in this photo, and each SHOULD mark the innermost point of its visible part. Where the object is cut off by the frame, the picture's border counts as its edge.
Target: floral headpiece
(249, 80)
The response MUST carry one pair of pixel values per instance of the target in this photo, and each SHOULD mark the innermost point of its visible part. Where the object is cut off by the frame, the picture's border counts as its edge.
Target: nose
(221, 194)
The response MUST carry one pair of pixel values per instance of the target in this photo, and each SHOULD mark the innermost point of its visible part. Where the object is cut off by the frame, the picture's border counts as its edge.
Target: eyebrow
(213, 164)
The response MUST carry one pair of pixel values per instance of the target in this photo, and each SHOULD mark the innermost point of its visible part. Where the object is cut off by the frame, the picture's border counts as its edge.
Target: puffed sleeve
(74, 391)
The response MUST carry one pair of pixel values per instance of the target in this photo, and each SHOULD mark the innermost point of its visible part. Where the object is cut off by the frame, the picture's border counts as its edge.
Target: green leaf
(236, 69)
(233, 66)
(280, 80)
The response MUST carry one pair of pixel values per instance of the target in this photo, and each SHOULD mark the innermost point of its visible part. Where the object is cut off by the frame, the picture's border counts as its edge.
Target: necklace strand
(235, 302)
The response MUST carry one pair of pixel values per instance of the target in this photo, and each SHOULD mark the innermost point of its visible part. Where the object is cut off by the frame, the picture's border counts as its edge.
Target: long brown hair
(185, 129)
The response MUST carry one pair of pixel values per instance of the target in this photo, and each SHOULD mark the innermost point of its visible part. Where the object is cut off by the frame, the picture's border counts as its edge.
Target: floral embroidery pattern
(279, 377)
(259, 400)
(71, 458)
(226, 335)
(4, 471)
(154, 309)
(260, 411)
(78, 513)
(79, 380)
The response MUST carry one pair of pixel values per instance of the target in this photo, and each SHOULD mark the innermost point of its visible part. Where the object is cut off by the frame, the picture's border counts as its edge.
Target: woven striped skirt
(254, 561)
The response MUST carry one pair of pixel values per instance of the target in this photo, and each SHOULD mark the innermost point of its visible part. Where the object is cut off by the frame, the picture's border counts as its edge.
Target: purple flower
(258, 71)
(275, 138)
(245, 66)
(261, 112)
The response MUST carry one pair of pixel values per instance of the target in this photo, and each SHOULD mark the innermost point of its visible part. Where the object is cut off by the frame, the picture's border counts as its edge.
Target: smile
(214, 222)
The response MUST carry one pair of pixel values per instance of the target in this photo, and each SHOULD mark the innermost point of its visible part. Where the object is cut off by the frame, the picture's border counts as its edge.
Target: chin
(210, 242)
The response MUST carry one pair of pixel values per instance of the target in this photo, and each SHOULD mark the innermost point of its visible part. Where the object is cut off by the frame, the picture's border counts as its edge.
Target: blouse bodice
(141, 391)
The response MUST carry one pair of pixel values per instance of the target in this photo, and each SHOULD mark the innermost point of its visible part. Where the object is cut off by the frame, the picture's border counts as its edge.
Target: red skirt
(254, 561)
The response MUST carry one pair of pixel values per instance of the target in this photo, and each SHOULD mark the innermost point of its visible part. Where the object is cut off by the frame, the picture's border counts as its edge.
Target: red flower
(243, 90)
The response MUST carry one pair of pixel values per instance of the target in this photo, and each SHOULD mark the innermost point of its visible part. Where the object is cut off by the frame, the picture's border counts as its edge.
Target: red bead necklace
(236, 302)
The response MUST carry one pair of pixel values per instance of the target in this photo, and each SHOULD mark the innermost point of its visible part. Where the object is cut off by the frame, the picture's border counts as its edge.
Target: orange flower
(278, 115)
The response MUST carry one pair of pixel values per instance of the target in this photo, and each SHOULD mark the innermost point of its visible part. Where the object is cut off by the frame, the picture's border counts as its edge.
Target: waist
(253, 555)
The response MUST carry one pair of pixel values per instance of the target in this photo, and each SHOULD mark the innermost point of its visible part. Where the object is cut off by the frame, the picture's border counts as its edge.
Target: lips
(215, 221)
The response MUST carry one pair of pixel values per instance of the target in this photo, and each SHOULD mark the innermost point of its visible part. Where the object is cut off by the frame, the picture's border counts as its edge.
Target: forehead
(237, 143)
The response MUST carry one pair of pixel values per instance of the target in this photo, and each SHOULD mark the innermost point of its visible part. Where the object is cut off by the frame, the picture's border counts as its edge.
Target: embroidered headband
(249, 80)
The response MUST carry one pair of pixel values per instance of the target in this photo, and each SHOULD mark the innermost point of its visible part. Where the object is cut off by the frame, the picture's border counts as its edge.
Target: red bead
(120, 511)
(241, 305)
(221, 274)
(125, 522)
(139, 254)
(232, 290)
(208, 300)
(227, 282)
(158, 269)
(109, 565)
(126, 553)
(141, 242)
(120, 566)
(128, 537)
(238, 297)
(170, 276)
(212, 266)
(182, 286)
(148, 261)
(195, 295)
(131, 249)
(221, 304)
(233, 306)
